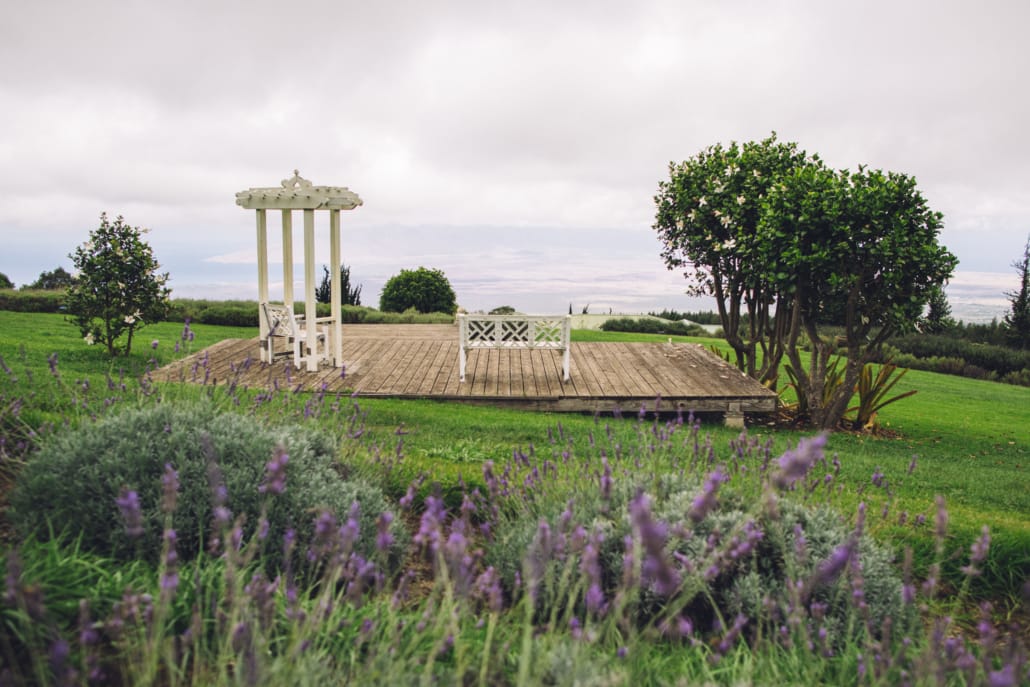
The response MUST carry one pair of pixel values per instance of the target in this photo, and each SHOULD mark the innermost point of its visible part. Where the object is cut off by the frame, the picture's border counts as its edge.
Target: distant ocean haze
(601, 286)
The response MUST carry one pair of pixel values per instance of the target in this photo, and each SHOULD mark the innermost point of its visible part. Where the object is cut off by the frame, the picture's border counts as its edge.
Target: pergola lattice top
(297, 193)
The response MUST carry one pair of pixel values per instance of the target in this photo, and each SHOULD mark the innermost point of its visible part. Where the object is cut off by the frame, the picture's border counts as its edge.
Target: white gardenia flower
(89, 339)
(741, 200)
(701, 202)
(729, 245)
(129, 319)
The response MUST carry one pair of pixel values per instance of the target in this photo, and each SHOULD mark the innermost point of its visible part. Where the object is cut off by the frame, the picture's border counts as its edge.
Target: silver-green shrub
(74, 482)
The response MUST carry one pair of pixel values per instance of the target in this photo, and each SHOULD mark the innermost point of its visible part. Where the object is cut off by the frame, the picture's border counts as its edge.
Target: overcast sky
(515, 145)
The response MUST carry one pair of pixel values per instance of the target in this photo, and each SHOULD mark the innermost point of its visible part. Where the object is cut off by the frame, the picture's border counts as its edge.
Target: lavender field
(165, 534)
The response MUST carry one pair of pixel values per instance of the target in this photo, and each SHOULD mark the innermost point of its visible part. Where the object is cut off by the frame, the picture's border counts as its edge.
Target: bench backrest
(514, 331)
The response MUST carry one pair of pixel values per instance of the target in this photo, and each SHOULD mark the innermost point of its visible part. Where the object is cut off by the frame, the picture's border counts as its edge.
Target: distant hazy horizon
(533, 269)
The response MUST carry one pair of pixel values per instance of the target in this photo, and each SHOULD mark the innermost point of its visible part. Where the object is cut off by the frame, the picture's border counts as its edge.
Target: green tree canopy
(5, 282)
(55, 280)
(425, 290)
(708, 223)
(119, 289)
(865, 242)
(784, 243)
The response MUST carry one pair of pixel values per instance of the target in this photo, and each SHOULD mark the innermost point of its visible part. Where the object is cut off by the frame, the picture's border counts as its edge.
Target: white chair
(283, 323)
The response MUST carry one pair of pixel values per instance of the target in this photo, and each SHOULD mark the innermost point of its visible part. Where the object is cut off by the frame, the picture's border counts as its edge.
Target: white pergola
(297, 193)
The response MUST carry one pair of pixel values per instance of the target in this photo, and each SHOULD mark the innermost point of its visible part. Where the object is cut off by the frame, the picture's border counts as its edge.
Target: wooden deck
(421, 361)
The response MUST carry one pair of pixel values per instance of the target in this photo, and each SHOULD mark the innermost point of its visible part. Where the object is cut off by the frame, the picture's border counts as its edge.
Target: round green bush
(423, 289)
(73, 482)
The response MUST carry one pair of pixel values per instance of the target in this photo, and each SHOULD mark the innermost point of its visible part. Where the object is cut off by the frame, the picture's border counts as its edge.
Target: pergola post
(310, 315)
(288, 257)
(262, 261)
(337, 297)
(297, 193)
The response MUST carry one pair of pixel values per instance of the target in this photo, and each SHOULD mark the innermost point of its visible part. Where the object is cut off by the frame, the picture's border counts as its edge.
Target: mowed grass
(971, 439)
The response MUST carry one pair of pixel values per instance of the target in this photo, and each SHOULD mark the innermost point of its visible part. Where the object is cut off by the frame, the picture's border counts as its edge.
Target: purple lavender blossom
(170, 574)
(384, 539)
(606, 479)
(730, 638)
(169, 489)
(978, 552)
(1004, 677)
(795, 464)
(488, 588)
(540, 552)
(60, 663)
(132, 515)
(275, 473)
(830, 568)
(656, 566)
(707, 499)
(595, 602)
(429, 534)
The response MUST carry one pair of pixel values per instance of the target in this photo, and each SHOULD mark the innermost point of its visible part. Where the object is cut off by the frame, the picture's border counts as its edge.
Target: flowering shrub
(119, 289)
(102, 482)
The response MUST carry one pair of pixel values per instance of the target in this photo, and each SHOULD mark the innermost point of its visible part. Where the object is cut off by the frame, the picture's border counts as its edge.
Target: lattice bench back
(514, 331)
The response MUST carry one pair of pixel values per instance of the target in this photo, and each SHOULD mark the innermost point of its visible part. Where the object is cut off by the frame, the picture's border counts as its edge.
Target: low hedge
(32, 300)
(949, 356)
(646, 325)
(233, 313)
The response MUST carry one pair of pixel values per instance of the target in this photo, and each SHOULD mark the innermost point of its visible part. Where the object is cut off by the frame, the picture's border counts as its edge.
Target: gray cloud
(472, 115)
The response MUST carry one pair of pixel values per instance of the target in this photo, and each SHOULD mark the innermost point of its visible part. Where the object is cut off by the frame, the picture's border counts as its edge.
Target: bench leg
(461, 363)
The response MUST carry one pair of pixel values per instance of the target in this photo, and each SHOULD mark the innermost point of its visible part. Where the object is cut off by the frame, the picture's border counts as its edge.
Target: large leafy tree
(1017, 320)
(784, 243)
(5, 282)
(425, 290)
(119, 288)
(865, 244)
(708, 222)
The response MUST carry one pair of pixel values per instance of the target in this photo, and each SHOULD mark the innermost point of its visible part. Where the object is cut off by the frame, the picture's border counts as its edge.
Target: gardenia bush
(106, 483)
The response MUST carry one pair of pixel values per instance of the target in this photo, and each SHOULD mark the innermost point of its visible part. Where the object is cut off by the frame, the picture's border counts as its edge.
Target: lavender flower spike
(794, 464)
(169, 489)
(275, 472)
(706, 500)
(131, 512)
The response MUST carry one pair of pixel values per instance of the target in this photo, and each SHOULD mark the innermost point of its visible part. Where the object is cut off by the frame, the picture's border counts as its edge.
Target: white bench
(280, 322)
(514, 331)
